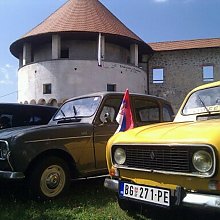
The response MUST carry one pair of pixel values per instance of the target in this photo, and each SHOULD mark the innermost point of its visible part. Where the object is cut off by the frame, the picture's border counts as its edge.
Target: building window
(158, 75)
(47, 88)
(111, 87)
(208, 73)
(64, 53)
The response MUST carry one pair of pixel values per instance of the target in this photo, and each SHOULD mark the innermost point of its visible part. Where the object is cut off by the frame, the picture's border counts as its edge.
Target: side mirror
(107, 118)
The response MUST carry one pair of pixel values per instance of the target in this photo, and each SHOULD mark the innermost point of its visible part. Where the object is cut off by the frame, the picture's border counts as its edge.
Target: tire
(49, 178)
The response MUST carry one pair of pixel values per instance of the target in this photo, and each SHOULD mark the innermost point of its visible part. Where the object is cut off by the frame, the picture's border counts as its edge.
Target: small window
(208, 73)
(111, 87)
(64, 53)
(158, 76)
(47, 89)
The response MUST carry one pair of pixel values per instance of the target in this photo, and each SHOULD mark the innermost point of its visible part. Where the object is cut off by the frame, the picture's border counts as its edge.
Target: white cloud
(161, 1)
(5, 72)
(180, 1)
(8, 65)
(187, 1)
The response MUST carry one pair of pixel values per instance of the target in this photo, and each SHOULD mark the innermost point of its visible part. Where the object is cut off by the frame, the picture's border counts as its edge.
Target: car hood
(43, 131)
(8, 132)
(182, 132)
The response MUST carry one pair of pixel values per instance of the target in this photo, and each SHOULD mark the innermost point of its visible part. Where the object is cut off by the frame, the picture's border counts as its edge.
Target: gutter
(148, 72)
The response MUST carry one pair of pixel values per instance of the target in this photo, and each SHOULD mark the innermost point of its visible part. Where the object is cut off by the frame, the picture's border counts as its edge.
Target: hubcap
(52, 181)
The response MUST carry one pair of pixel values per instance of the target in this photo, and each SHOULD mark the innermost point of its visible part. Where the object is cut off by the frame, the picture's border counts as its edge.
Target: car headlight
(3, 150)
(202, 161)
(120, 156)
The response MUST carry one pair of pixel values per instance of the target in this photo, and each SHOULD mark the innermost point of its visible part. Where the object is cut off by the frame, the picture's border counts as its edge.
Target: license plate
(144, 193)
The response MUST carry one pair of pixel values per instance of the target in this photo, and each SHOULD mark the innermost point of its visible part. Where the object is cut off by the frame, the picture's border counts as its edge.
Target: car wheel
(49, 178)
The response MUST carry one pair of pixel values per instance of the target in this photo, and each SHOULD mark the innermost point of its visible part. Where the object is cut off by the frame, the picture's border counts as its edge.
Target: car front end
(7, 170)
(171, 164)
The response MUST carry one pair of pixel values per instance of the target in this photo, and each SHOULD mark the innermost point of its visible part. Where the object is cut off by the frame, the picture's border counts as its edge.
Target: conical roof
(89, 16)
(83, 16)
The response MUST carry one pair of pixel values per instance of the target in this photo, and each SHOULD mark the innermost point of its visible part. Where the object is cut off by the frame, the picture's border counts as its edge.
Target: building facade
(82, 48)
(177, 67)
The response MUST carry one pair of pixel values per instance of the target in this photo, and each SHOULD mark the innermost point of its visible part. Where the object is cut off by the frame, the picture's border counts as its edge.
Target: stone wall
(183, 71)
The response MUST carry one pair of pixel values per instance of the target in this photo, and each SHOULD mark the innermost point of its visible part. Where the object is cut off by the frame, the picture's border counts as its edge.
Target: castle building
(82, 48)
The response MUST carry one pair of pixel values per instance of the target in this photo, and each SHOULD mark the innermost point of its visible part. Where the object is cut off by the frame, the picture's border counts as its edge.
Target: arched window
(42, 102)
(53, 102)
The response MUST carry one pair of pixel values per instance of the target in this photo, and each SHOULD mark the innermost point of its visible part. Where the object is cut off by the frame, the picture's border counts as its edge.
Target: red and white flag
(124, 117)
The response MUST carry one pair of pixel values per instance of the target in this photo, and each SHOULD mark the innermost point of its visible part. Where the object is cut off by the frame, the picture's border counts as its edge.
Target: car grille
(163, 158)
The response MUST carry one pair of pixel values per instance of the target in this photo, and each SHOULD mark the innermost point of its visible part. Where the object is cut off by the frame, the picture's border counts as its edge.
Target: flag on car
(124, 117)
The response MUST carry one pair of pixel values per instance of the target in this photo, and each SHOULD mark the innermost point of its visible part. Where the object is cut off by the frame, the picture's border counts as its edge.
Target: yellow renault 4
(171, 164)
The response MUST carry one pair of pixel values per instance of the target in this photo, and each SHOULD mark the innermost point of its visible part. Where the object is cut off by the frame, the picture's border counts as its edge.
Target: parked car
(171, 164)
(16, 115)
(73, 144)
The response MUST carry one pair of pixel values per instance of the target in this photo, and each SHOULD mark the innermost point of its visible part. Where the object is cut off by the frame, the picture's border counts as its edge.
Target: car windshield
(83, 107)
(203, 101)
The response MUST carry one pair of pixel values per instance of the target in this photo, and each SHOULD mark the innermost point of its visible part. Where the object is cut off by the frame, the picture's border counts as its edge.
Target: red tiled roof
(82, 16)
(185, 44)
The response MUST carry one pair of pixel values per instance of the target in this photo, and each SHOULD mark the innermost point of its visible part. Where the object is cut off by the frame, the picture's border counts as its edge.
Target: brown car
(73, 144)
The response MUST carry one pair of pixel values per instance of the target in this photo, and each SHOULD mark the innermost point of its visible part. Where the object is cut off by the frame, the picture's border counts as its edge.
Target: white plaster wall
(71, 78)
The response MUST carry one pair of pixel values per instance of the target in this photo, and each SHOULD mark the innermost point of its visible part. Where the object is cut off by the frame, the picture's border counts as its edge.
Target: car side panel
(76, 140)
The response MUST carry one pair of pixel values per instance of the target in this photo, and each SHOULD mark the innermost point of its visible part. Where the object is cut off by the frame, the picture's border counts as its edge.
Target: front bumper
(11, 175)
(201, 200)
(190, 200)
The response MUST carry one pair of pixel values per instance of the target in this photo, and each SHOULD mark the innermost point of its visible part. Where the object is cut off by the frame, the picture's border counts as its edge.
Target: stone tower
(80, 48)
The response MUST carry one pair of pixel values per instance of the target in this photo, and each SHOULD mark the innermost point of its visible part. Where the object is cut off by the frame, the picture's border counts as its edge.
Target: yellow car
(171, 164)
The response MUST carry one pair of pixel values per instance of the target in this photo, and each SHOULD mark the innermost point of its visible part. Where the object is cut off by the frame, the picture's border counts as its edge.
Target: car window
(111, 106)
(83, 107)
(167, 113)
(203, 101)
(147, 111)
(36, 120)
(5, 121)
(17, 115)
(107, 109)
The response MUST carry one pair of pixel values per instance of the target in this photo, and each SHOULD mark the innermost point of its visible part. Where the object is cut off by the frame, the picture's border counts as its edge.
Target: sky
(151, 20)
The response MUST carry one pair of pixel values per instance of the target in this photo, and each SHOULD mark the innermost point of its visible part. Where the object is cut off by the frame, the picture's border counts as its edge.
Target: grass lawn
(86, 200)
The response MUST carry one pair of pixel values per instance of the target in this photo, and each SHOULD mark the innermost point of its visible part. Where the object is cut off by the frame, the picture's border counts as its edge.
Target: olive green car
(73, 144)
(171, 164)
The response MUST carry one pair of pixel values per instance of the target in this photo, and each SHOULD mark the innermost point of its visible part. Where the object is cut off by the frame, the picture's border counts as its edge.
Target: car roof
(205, 86)
(27, 105)
(104, 93)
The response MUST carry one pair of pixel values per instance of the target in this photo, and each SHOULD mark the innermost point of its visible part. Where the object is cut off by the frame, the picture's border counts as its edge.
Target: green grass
(85, 200)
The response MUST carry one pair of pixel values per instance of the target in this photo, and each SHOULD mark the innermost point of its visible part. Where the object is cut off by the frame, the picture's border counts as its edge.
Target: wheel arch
(57, 153)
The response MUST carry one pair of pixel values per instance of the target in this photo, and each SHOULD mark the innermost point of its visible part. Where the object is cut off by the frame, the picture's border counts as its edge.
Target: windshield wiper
(62, 113)
(204, 105)
(74, 109)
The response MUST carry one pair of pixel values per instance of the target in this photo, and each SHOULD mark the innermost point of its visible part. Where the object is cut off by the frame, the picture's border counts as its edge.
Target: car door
(104, 128)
